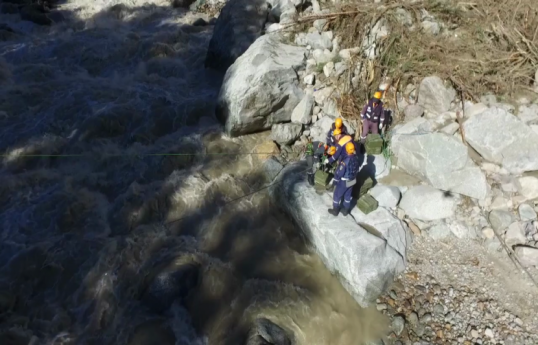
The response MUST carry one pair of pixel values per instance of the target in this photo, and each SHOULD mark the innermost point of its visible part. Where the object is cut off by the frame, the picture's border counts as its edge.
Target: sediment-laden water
(106, 241)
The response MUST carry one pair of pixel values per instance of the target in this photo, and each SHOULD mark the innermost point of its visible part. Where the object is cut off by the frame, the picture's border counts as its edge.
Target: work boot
(345, 212)
(334, 211)
(311, 179)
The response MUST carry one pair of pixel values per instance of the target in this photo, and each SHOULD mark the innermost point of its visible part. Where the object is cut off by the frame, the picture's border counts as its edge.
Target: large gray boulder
(413, 111)
(366, 263)
(427, 203)
(286, 133)
(434, 96)
(319, 130)
(502, 138)
(386, 196)
(443, 162)
(303, 111)
(386, 224)
(261, 88)
(239, 24)
(418, 125)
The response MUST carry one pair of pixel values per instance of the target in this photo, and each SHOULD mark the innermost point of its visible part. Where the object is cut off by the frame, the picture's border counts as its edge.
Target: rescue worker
(345, 177)
(372, 115)
(337, 124)
(314, 151)
(341, 141)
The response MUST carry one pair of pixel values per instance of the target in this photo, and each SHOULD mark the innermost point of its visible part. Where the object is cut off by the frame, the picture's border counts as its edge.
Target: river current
(105, 240)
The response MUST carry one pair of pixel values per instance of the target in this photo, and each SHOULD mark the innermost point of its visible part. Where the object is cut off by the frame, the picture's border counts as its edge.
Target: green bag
(322, 178)
(374, 144)
(367, 204)
(366, 186)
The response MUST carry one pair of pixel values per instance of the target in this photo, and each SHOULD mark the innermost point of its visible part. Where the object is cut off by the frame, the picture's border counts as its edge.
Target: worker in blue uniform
(345, 178)
(341, 141)
(337, 124)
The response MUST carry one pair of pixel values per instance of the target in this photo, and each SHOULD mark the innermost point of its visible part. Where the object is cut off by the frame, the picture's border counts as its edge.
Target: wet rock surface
(366, 261)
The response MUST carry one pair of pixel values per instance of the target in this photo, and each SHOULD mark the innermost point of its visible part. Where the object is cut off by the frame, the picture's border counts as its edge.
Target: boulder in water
(261, 88)
(239, 24)
(266, 332)
(366, 262)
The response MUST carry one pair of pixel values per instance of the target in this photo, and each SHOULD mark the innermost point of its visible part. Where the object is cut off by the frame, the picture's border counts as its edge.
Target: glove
(326, 160)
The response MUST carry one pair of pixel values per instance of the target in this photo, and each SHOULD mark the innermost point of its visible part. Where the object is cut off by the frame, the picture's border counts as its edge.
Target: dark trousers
(310, 163)
(341, 191)
(369, 126)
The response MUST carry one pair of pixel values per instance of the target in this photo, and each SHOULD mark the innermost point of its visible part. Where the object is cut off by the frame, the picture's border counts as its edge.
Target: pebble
(426, 318)
(470, 317)
(393, 294)
(489, 333)
(438, 309)
(398, 324)
(413, 318)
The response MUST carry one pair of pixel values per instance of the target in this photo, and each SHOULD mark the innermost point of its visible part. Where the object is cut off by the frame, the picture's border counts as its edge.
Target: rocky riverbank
(460, 173)
(455, 292)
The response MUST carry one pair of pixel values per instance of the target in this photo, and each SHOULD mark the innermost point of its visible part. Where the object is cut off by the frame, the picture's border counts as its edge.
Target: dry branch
(495, 46)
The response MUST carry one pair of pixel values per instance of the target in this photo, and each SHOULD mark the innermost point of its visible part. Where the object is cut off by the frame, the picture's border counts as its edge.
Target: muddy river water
(105, 240)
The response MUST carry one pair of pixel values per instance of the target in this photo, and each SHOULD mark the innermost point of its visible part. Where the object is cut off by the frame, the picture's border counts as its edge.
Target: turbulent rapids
(114, 243)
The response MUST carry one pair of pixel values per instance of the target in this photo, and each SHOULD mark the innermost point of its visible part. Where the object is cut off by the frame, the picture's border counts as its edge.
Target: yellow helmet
(378, 95)
(332, 150)
(338, 123)
(337, 131)
(350, 148)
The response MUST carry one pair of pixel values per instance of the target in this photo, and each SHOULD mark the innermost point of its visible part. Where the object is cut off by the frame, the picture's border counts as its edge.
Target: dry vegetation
(485, 45)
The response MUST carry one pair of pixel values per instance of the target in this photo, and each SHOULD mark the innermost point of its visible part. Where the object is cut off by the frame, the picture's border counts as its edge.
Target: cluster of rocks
(424, 312)
(292, 90)
(475, 189)
(272, 85)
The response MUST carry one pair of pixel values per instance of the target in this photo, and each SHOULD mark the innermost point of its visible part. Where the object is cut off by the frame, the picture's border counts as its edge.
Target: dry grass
(486, 45)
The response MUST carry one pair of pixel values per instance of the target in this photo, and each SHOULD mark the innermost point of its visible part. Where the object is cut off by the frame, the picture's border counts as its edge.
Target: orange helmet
(337, 131)
(378, 95)
(338, 123)
(350, 148)
(332, 150)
